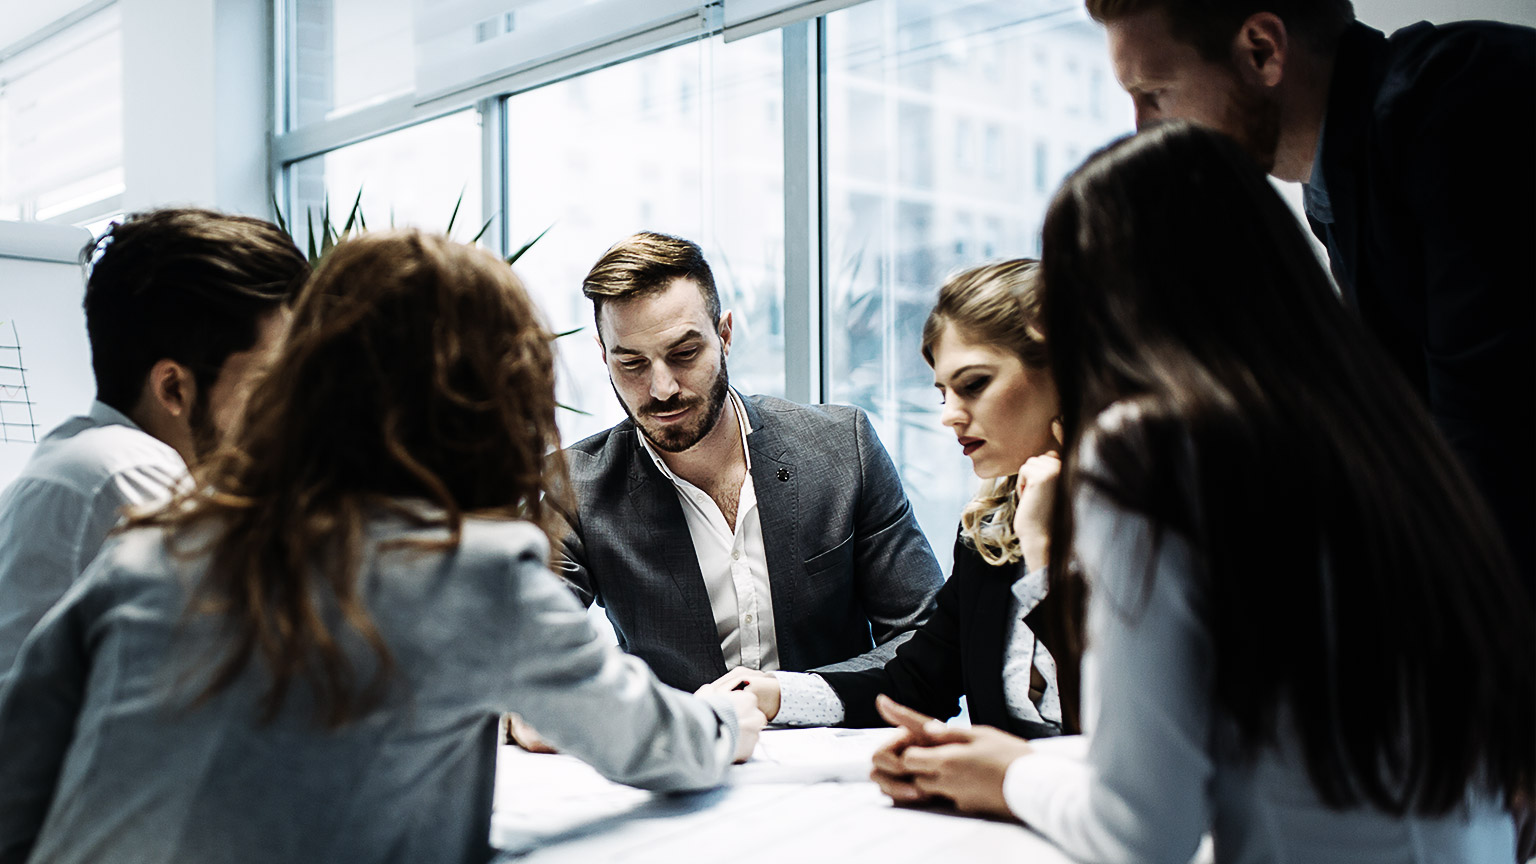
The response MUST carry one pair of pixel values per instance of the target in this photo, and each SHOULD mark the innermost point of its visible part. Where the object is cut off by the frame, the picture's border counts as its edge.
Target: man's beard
(675, 438)
(1253, 120)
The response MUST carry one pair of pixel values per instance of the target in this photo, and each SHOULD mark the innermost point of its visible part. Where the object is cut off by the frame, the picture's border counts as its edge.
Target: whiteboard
(45, 357)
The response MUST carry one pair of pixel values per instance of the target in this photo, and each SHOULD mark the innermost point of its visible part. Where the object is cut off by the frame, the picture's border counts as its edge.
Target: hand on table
(520, 733)
(749, 721)
(1032, 516)
(929, 761)
(762, 685)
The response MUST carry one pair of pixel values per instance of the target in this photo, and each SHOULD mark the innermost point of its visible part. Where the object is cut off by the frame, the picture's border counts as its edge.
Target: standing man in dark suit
(719, 530)
(1419, 155)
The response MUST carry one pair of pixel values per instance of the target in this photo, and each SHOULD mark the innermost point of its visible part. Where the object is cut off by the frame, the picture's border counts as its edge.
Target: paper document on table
(539, 797)
(811, 755)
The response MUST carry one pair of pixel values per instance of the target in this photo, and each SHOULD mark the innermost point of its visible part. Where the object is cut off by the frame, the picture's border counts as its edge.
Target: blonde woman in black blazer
(994, 635)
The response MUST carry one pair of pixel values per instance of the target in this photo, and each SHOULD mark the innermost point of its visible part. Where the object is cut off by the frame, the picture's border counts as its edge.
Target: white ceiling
(21, 18)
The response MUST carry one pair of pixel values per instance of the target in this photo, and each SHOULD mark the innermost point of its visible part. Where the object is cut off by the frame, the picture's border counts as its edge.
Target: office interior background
(836, 159)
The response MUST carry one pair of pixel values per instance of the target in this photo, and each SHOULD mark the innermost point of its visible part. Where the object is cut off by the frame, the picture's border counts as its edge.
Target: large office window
(345, 55)
(61, 125)
(944, 122)
(944, 128)
(689, 142)
(411, 177)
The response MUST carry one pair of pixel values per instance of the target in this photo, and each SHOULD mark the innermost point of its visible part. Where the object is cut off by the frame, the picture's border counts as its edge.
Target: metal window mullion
(493, 160)
(804, 212)
(282, 120)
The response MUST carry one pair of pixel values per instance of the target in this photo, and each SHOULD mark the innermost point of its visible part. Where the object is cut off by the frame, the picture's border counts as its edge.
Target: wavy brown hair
(414, 368)
(995, 304)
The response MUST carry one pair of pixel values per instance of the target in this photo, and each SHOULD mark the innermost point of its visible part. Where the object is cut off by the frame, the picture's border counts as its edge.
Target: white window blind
(745, 18)
(467, 49)
(61, 123)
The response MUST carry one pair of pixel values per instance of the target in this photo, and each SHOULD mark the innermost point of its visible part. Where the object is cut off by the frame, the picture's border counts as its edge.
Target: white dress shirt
(57, 513)
(734, 562)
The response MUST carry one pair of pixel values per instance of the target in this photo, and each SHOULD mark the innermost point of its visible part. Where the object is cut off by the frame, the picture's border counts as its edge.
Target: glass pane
(61, 124)
(949, 125)
(410, 177)
(687, 142)
(346, 55)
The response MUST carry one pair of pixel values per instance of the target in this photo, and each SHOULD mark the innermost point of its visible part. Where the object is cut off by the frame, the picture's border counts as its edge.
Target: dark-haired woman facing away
(1303, 634)
(305, 659)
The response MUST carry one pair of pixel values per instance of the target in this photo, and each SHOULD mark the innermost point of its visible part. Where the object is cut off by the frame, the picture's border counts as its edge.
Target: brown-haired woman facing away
(1304, 635)
(993, 635)
(305, 658)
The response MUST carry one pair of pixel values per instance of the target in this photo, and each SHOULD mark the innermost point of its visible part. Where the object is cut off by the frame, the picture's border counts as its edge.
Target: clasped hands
(926, 761)
(929, 762)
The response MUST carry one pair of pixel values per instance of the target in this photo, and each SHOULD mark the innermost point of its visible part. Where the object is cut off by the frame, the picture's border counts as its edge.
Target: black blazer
(960, 651)
(1428, 158)
(850, 571)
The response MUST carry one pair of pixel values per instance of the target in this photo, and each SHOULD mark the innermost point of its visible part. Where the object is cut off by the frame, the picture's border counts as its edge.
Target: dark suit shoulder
(771, 409)
(591, 458)
(970, 569)
(1425, 64)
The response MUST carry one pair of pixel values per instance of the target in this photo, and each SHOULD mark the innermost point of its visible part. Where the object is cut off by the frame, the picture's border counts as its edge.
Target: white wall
(1388, 15)
(197, 103)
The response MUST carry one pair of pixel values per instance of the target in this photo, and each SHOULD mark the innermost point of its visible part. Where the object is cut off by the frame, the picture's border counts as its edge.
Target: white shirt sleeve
(806, 699)
(1142, 793)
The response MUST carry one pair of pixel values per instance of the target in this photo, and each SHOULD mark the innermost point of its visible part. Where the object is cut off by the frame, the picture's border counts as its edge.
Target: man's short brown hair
(646, 263)
(1209, 25)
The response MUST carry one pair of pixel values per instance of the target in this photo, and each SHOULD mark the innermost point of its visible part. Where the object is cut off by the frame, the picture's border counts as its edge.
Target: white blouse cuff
(806, 699)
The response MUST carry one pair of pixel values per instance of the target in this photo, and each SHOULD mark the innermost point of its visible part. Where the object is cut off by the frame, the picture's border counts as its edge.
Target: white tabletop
(805, 797)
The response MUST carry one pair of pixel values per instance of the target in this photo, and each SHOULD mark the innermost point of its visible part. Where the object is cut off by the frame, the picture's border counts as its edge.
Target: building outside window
(943, 134)
(894, 222)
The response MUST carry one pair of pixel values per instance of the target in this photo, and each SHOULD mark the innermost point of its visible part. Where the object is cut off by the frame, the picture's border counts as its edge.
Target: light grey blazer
(102, 760)
(850, 571)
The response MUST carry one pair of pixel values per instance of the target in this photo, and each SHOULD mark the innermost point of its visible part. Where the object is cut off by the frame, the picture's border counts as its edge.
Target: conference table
(804, 797)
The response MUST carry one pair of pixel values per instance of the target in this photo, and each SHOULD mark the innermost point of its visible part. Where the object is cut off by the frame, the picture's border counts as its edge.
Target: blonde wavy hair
(995, 304)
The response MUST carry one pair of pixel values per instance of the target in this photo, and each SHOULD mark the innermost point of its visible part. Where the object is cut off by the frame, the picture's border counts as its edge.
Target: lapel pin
(783, 475)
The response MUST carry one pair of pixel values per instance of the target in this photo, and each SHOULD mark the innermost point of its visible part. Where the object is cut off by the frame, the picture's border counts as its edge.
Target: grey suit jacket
(101, 760)
(851, 573)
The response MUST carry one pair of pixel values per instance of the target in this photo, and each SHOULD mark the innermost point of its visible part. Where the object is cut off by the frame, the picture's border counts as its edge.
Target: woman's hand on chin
(1031, 518)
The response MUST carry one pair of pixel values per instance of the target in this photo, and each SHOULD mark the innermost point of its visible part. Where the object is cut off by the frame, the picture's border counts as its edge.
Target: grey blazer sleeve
(39, 703)
(1143, 794)
(599, 704)
(894, 568)
(570, 564)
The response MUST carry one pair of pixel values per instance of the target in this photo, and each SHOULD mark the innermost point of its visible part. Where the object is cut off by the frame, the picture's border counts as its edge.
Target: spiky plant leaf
(481, 233)
(454, 217)
(512, 259)
(278, 212)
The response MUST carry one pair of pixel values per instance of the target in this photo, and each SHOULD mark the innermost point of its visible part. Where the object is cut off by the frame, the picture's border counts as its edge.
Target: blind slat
(468, 49)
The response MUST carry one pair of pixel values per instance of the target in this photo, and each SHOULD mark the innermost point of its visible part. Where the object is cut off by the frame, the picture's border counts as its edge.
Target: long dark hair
(1354, 575)
(414, 368)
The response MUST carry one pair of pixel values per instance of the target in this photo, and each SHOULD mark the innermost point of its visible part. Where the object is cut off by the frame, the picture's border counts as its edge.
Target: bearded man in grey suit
(718, 530)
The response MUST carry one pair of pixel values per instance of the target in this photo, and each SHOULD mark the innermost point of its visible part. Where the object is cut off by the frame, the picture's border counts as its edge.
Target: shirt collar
(742, 422)
(1031, 588)
(1314, 193)
(105, 415)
